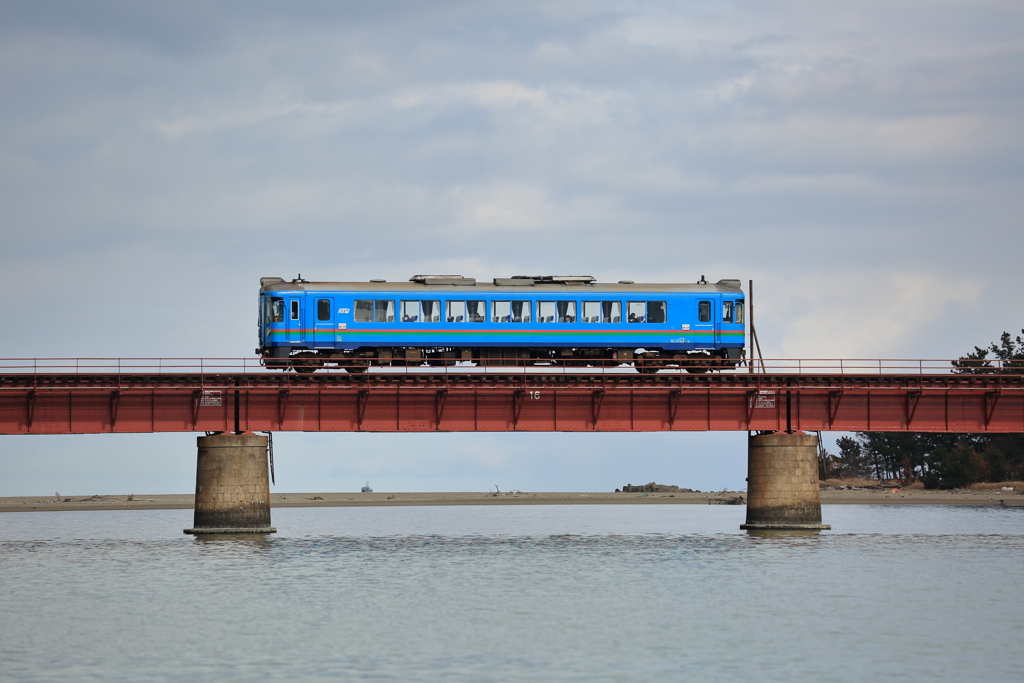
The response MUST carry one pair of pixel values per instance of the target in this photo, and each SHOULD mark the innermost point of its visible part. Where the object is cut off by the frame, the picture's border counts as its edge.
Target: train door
(294, 316)
(706, 324)
(323, 325)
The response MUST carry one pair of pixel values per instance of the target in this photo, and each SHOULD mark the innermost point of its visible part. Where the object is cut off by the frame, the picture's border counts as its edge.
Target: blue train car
(444, 319)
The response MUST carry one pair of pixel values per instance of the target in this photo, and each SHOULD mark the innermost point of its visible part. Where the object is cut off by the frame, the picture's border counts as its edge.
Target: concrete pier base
(782, 482)
(232, 485)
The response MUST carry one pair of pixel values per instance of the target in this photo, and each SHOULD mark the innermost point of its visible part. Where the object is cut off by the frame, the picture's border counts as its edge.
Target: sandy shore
(829, 496)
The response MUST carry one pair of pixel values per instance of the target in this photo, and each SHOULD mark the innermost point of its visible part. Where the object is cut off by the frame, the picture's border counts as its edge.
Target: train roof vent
(563, 279)
(518, 281)
(443, 280)
(264, 281)
(729, 283)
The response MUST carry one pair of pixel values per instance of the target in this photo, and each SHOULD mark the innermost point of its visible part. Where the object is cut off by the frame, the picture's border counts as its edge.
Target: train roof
(451, 284)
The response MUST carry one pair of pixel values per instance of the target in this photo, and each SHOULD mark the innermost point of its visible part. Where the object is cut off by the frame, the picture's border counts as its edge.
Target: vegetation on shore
(939, 461)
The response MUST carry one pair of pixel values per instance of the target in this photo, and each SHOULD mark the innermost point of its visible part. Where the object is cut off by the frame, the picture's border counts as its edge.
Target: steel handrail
(251, 365)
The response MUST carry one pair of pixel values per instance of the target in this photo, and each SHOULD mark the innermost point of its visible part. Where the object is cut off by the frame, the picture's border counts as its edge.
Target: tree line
(943, 461)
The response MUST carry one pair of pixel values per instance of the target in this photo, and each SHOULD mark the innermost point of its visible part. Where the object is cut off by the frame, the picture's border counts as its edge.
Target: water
(514, 593)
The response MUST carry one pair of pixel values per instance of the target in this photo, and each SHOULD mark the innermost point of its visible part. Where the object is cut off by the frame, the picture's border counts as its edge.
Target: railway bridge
(777, 403)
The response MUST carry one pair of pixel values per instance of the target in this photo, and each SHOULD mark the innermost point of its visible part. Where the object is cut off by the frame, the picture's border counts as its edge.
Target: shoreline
(186, 501)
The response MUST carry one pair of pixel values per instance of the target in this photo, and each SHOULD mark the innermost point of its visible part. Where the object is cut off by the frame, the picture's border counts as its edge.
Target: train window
(455, 312)
(545, 311)
(556, 311)
(738, 315)
(431, 311)
(726, 311)
(566, 311)
(656, 312)
(510, 311)
(323, 309)
(384, 311)
(410, 311)
(421, 311)
(611, 311)
(591, 312)
(364, 311)
(295, 309)
(275, 307)
(703, 311)
(466, 311)
(375, 311)
(636, 311)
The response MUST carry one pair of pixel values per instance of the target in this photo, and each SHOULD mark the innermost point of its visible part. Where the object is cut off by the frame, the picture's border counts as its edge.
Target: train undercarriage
(643, 360)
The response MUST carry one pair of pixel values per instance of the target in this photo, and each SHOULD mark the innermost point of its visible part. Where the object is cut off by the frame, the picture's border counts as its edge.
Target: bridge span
(229, 400)
(237, 395)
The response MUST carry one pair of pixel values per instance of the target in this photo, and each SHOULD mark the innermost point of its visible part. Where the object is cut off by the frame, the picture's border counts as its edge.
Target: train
(569, 320)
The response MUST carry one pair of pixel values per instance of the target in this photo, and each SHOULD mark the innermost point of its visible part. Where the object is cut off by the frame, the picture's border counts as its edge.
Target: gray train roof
(509, 286)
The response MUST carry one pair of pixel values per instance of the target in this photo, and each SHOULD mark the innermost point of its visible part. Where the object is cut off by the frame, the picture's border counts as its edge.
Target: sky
(860, 162)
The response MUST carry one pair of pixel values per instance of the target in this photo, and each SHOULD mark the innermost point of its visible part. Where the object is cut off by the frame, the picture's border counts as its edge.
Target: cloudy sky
(861, 162)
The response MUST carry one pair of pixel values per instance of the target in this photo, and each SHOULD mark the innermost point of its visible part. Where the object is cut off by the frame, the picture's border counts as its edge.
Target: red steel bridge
(91, 396)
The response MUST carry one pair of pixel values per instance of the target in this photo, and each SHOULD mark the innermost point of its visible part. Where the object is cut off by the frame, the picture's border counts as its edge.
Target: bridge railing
(254, 365)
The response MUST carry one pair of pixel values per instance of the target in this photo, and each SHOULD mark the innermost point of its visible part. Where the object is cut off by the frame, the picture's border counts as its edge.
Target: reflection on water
(548, 593)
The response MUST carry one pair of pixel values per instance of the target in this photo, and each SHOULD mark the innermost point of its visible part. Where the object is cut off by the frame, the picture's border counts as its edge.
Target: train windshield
(274, 311)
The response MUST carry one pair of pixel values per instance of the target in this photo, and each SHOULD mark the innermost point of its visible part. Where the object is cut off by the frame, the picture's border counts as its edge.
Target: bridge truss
(87, 399)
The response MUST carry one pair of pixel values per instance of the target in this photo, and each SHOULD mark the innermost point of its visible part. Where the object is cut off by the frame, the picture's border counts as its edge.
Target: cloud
(864, 313)
(861, 163)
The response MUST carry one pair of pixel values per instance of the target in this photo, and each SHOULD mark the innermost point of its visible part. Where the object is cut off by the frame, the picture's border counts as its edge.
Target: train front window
(275, 310)
(295, 310)
(323, 309)
(738, 315)
(726, 311)
(636, 311)
(656, 312)
(704, 311)
(611, 311)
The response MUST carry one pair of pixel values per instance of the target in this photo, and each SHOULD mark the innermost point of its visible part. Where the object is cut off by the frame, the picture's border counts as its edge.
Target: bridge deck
(450, 400)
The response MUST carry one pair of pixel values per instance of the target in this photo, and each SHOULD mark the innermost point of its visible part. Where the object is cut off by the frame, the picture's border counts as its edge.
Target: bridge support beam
(232, 485)
(782, 482)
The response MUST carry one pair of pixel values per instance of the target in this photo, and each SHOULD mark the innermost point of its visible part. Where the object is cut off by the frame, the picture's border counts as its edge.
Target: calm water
(540, 593)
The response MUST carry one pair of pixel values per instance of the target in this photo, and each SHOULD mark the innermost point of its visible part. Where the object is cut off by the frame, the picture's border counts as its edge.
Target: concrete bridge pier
(782, 482)
(232, 485)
